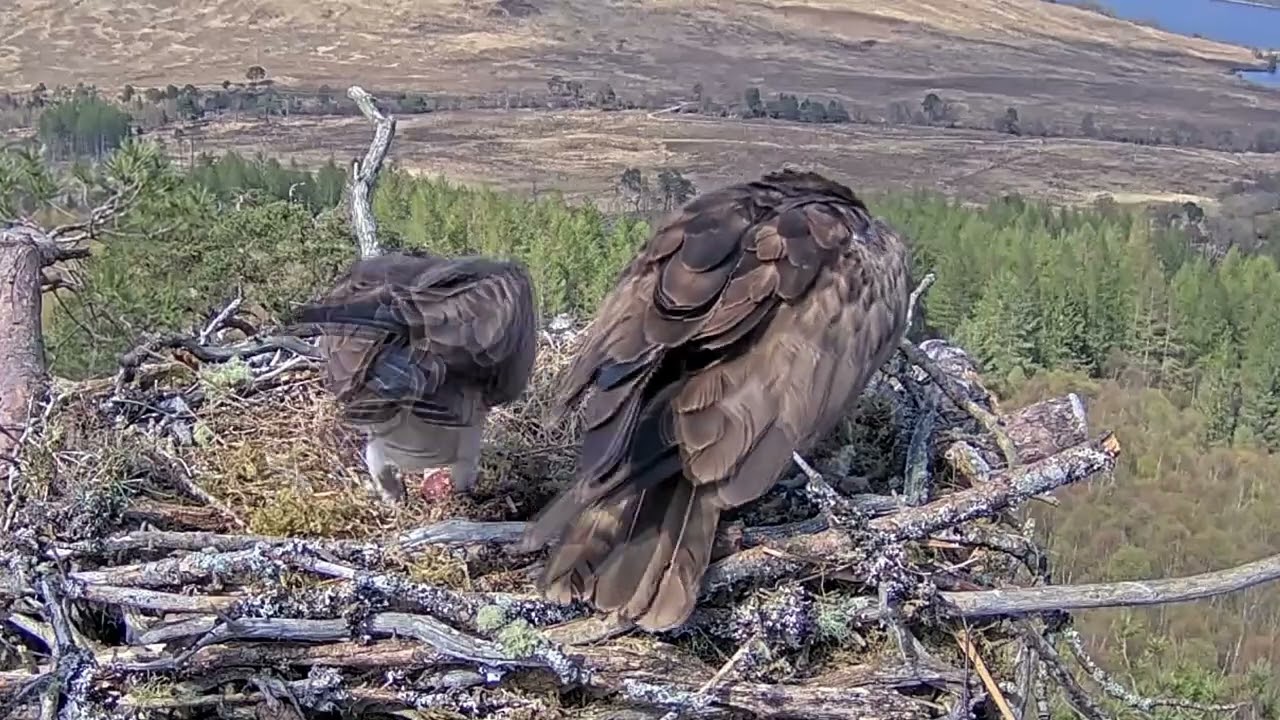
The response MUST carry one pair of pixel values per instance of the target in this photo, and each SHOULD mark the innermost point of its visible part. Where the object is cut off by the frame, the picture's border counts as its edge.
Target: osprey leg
(386, 479)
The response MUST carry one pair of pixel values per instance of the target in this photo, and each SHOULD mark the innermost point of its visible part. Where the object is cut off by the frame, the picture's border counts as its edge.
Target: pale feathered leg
(466, 469)
(385, 477)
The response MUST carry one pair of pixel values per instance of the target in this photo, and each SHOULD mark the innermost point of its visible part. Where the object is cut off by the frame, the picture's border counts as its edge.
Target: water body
(1248, 25)
(1270, 79)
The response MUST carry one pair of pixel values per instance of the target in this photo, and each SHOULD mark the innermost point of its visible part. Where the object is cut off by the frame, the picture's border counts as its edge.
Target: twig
(835, 506)
(989, 422)
(925, 283)
(1054, 666)
(130, 361)
(1118, 691)
(962, 638)
(216, 323)
(364, 173)
(182, 477)
(702, 696)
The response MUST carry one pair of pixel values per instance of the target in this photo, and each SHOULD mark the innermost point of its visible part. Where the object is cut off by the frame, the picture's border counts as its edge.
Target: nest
(196, 537)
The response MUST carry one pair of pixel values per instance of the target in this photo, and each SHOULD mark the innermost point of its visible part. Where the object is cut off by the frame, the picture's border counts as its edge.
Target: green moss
(223, 377)
(490, 618)
(202, 434)
(519, 638)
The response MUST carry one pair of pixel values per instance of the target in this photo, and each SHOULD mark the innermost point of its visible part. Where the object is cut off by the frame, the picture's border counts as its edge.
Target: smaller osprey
(418, 349)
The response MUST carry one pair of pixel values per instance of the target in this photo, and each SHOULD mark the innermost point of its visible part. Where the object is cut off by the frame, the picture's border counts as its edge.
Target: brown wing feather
(743, 328)
(427, 333)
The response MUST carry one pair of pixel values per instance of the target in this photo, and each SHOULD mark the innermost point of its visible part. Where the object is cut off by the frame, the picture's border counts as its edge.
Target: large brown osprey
(418, 349)
(740, 333)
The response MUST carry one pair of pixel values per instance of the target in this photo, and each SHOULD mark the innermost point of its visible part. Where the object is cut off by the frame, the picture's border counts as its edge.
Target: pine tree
(1218, 394)
(1260, 372)
(999, 332)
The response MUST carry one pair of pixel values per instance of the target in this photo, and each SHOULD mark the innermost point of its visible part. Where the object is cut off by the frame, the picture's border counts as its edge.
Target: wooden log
(1047, 428)
(172, 515)
(22, 361)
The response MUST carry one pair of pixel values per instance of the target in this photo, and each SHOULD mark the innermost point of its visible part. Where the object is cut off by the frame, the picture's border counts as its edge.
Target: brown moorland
(1054, 63)
(582, 154)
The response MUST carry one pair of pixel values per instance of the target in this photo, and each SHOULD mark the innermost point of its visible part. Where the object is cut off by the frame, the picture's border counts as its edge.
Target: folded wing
(739, 334)
(437, 336)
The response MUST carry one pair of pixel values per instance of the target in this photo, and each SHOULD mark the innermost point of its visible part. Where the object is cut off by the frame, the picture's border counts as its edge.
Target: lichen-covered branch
(792, 555)
(364, 172)
(989, 421)
(1117, 690)
(1048, 598)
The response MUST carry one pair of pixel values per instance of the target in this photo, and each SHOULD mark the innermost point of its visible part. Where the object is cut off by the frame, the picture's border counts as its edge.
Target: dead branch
(913, 306)
(133, 359)
(364, 173)
(1129, 593)
(1057, 669)
(1118, 691)
(1007, 488)
(986, 419)
(652, 673)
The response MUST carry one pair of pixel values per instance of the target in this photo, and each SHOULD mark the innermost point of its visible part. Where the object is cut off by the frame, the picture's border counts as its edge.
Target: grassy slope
(1053, 62)
(1037, 53)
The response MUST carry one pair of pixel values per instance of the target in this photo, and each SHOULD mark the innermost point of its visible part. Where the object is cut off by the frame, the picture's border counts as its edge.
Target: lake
(1248, 25)
(1241, 24)
(1262, 78)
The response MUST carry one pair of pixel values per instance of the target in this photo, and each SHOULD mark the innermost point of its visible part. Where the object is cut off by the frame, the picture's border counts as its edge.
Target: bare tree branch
(1130, 593)
(364, 173)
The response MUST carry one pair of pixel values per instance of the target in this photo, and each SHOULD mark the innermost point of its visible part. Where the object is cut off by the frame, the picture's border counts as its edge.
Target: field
(583, 154)
(1054, 63)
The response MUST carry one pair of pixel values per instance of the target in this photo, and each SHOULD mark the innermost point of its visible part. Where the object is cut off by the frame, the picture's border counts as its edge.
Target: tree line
(259, 97)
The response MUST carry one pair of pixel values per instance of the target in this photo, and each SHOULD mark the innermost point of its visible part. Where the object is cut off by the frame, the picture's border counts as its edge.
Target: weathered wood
(653, 673)
(164, 514)
(22, 360)
(1003, 490)
(1045, 598)
(364, 173)
(1047, 428)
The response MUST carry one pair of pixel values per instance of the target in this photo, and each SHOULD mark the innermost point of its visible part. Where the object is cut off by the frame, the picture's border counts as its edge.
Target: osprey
(739, 334)
(418, 349)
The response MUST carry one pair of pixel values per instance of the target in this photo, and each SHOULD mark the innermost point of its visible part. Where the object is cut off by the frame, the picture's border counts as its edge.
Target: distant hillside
(985, 55)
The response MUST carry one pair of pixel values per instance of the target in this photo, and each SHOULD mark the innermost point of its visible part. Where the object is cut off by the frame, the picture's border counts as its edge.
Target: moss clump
(202, 435)
(224, 377)
(519, 638)
(490, 618)
(298, 512)
(439, 566)
(837, 615)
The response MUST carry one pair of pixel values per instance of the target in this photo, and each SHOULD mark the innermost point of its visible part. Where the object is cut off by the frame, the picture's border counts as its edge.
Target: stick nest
(195, 537)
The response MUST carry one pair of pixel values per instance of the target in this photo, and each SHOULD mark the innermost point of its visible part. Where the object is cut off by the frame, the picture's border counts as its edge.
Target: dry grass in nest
(286, 463)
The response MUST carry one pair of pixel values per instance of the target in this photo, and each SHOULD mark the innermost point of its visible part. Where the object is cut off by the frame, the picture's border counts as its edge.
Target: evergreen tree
(999, 333)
